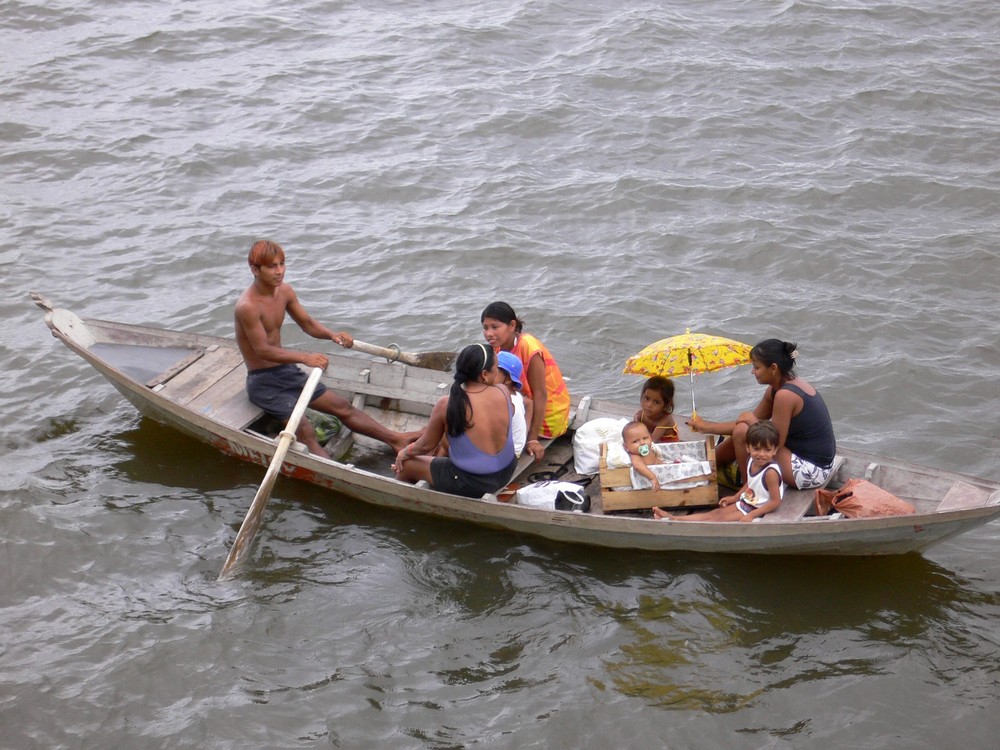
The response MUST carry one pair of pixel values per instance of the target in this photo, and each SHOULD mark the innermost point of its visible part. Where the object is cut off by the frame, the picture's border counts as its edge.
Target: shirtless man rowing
(274, 382)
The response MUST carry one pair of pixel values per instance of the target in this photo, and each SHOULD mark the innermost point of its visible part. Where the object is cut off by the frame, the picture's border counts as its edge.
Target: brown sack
(859, 498)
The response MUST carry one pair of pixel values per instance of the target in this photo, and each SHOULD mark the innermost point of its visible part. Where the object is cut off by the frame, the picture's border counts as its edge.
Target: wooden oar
(251, 524)
(427, 360)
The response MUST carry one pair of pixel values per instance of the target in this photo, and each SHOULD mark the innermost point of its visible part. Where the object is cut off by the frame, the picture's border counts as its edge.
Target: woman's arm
(784, 407)
(539, 397)
(765, 407)
(539, 394)
(761, 411)
(430, 437)
(529, 414)
(697, 424)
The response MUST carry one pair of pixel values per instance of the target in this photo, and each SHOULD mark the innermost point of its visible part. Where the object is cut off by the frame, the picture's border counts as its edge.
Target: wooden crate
(707, 494)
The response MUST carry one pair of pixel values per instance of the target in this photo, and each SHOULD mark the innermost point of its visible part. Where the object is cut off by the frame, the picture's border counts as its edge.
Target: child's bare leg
(725, 513)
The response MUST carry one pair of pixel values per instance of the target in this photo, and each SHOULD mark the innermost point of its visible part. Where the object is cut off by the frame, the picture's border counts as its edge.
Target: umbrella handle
(694, 411)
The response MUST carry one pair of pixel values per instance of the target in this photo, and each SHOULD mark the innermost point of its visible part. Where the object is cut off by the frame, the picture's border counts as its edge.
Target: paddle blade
(434, 360)
(426, 360)
(251, 524)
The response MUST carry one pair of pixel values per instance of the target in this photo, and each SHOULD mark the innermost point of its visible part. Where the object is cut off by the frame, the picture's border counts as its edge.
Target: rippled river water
(827, 173)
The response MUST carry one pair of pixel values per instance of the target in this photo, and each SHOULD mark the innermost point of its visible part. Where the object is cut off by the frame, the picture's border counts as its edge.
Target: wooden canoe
(195, 383)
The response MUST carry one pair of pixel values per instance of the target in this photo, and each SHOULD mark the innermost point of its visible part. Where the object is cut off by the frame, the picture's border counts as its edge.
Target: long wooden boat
(195, 383)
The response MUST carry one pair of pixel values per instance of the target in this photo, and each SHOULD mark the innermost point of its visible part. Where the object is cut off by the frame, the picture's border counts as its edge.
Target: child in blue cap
(511, 370)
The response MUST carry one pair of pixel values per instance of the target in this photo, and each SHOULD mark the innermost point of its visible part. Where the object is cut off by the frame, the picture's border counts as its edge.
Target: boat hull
(215, 415)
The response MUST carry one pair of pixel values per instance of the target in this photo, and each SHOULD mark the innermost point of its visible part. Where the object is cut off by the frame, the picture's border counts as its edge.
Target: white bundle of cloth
(587, 443)
(670, 476)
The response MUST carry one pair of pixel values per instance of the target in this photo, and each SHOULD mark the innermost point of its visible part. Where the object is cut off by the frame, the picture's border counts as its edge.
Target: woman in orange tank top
(543, 382)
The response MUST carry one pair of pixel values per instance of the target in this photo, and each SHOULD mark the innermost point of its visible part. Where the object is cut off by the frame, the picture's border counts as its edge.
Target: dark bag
(859, 498)
(576, 500)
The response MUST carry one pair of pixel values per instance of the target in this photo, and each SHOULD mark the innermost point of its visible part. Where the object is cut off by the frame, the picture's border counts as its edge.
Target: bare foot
(661, 515)
(316, 448)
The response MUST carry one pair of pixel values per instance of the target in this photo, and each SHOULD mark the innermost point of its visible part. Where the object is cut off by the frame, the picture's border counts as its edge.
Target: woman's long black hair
(472, 361)
(776, 352)
(504, 313)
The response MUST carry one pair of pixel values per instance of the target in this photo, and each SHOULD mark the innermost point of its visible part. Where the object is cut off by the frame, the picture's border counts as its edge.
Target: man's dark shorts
(446, 477)
(277, 389)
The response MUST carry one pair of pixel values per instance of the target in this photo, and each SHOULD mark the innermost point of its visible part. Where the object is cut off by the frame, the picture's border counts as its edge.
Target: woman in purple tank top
(807, 444)
(477, 415)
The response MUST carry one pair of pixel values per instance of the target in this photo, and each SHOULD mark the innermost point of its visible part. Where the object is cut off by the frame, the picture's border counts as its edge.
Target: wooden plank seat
(381, 382)
(184, 385)
(226, 401)
(964, 495)
(796, 504)
(211, 382)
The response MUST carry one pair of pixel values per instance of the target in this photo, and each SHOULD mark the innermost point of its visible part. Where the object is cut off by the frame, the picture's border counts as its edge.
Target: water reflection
(153, 452)
(725, 631)
(428, 610)
(714, 634)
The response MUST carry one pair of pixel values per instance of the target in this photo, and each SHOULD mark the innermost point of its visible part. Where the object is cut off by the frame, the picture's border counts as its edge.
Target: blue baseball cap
(511, 364)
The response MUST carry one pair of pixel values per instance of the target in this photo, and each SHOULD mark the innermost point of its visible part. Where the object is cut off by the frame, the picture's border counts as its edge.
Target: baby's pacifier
(643, 450)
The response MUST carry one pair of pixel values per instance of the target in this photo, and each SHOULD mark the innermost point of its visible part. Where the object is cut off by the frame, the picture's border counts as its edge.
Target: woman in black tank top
(807, 445)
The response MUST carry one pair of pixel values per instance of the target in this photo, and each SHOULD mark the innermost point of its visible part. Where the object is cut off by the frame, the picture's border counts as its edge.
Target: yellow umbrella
(688, 353)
